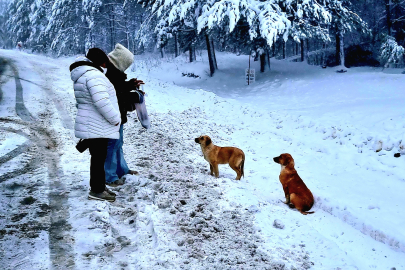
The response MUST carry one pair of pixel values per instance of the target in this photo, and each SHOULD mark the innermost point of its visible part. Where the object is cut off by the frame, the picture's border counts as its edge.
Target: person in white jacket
(98, 117)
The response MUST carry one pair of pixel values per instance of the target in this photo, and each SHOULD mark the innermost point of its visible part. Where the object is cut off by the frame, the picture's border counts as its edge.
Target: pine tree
(40, 12)
(344, 20)
(18, 23)
(267, 20)
(67, 27)
(179, 18)
(5, 41)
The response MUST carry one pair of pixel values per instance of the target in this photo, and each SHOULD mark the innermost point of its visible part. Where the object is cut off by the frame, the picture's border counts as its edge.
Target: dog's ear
(289, 161)
(207, 142)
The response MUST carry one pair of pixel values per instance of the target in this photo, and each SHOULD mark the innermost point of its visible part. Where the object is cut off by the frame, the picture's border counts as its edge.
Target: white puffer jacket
(98, 113)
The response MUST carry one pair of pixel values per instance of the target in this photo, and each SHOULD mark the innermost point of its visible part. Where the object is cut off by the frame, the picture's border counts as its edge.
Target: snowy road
(34, 205)
(176, 216)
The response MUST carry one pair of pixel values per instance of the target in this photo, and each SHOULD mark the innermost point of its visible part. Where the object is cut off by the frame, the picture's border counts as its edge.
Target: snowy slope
(332, 124)
(176, 216)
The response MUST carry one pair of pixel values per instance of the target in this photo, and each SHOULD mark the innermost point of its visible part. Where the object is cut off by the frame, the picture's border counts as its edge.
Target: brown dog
(296, 192)
(221, 155)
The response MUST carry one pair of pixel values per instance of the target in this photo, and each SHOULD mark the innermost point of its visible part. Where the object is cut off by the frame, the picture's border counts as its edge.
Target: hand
(136, 83)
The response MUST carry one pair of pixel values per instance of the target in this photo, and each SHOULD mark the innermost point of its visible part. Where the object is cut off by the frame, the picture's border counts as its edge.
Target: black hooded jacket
(122, 88)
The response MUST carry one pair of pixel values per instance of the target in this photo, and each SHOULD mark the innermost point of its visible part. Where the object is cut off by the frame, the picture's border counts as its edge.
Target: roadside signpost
(249, 74)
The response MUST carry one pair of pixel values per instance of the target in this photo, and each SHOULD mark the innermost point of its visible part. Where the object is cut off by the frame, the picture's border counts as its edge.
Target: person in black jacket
(115, 164)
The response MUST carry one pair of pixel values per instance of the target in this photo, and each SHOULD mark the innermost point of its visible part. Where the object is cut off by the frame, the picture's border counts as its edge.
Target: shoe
(82, 145)
(133, 172)
(116, 183)
(103, 196)
(110, 192)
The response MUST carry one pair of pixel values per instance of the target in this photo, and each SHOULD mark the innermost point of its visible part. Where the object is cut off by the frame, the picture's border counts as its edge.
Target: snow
(341, 129)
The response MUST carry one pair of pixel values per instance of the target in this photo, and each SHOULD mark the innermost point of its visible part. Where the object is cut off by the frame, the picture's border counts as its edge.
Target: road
(34, 207)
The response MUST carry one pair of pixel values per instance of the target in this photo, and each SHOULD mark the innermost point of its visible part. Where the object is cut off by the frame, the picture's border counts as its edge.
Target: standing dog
(221, 155)
(296, 192)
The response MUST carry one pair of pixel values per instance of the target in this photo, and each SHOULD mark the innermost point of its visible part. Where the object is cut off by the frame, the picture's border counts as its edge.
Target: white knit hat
(121, 57)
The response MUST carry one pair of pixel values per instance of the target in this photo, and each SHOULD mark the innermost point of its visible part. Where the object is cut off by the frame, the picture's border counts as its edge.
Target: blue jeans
(115, 165)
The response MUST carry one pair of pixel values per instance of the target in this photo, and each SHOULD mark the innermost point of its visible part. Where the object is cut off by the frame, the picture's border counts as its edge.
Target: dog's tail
(242, 165)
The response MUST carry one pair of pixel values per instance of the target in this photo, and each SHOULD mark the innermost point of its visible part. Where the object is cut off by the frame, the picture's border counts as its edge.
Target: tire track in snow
(20, 108)
(12, 154)
(49, 87)
(61, 252)
(3, 66)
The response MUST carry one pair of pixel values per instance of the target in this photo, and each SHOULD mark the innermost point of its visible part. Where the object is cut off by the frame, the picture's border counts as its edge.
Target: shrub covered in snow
(391, 52)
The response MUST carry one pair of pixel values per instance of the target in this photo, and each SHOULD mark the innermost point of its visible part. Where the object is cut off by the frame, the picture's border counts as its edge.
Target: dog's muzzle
(276, 159)
(197, 140)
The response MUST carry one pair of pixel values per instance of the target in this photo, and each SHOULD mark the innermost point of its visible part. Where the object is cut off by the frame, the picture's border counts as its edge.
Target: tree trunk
(89, 41)
(302, 51)
(191, 50)
(213, 52)
(126, 31)
(342, 51)
(284, 49)
(268, 58)
(337, 49)
(127, 36)
(307, 51)
(112, 28)
(162, 52)
(262, 62)
(323, 55)
(388, 11)
(111, 36)
(176, 46)
(210, 57)
(194, 53)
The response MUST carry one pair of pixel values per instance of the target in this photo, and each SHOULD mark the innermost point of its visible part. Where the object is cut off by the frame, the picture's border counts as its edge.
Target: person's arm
(135, 84)
(101, 99)
(118, 79)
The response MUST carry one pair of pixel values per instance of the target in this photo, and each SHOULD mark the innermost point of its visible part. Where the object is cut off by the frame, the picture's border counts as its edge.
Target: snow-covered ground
(341, 129)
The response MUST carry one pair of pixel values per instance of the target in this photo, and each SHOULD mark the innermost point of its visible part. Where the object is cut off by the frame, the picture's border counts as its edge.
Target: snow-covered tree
(309, 21)
(344, 20)
(267, 20)
(391, 52)
(179, 18)
(18, 23)
(67, 27)
(5, 40)
(40, 12)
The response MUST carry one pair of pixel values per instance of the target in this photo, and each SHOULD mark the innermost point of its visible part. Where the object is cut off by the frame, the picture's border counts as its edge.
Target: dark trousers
(98, 152)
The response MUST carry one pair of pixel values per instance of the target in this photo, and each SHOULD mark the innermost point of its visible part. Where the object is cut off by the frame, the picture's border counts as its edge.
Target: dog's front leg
(287, 195)
(211, 170)
(216, 171)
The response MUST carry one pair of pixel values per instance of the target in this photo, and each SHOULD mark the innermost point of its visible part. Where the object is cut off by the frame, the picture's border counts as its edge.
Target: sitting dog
(221, 155)
(296, 192)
